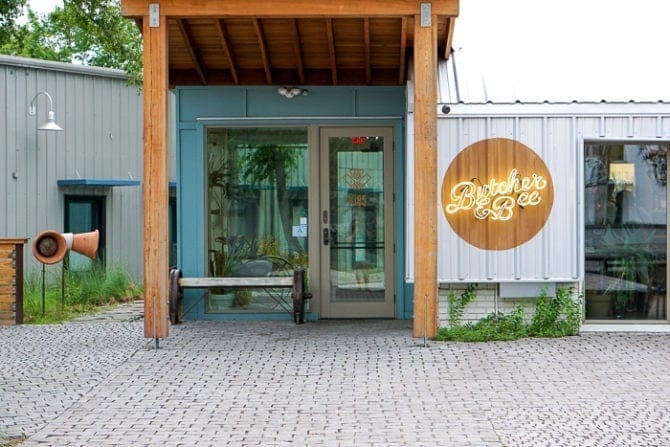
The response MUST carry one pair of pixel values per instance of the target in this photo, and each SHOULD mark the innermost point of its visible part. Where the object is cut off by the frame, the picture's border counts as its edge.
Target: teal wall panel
(400, 163)
(191, 235)
(198, 107)
(320, 101)
(191, 203)
(262, 102)
(204, 102)
(374, 101)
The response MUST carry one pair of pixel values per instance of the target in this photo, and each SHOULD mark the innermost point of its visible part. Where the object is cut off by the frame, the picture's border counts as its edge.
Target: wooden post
(156, 179)
(425, 178)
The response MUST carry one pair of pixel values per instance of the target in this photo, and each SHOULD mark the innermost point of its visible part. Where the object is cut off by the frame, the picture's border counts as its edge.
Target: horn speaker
(50, 246)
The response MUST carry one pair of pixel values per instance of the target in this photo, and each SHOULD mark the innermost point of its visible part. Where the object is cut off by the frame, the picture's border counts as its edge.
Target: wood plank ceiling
(294, 51)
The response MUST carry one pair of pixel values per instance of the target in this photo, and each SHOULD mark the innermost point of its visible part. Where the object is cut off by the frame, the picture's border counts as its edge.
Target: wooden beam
(368, 62)
(297, 49)
(263, 46)
(403, 51)
(188, 43)
(450, 37)
(227, 49)
(156, 179)
(296, 9)
(425, 178)
(331, 50)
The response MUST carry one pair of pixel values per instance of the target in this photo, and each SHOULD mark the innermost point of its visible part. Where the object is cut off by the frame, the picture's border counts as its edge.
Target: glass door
(357, 223)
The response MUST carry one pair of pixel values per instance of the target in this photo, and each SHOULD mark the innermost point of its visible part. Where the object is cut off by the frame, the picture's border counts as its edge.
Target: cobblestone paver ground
(328, 383)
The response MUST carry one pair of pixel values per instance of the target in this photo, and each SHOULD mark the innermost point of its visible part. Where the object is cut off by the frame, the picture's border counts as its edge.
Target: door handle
(326, 236)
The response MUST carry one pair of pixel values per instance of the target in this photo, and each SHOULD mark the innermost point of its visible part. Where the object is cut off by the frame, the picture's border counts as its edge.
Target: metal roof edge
(546, 108)
(40, 64)
(456, 88)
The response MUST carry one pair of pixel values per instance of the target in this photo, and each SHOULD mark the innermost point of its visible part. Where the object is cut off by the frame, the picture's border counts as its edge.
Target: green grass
(84, 293)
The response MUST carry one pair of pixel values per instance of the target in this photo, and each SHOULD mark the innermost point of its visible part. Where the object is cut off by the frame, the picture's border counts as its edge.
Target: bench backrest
(262, 282)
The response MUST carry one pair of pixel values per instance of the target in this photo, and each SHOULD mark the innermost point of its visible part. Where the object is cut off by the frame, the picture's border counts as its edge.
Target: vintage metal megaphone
(50, 246)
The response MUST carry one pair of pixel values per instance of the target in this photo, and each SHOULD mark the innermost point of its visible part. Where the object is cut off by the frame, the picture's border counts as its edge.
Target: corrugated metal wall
(102, 118)
(556, 132)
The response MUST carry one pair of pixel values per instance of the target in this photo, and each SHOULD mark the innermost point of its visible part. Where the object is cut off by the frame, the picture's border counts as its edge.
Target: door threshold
(625, 326)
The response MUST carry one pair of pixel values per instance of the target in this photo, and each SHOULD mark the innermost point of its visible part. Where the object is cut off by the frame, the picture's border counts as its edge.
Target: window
(257, 210)
(625, 214)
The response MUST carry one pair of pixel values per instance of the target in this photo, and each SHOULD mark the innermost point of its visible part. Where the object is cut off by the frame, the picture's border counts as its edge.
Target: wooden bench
(296, 283)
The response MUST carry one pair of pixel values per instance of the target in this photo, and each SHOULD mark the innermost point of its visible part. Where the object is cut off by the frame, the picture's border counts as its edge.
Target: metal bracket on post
(426, 12)
(155, 312)
(154, 15)
(425, 321)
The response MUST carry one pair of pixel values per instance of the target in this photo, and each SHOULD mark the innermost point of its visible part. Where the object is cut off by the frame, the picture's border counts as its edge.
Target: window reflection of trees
(625, 214)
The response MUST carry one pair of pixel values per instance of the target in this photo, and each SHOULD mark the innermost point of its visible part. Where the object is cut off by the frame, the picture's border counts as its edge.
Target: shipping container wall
(556, 133)
(101, 144)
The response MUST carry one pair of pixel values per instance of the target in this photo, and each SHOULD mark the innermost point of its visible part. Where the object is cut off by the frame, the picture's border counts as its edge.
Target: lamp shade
(51, 123)
(51, 119)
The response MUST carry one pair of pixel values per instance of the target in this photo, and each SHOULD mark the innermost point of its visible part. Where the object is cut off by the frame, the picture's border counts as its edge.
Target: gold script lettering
(496, 199)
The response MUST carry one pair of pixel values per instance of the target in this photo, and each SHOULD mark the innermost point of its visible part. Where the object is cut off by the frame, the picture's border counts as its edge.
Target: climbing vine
(457, 303)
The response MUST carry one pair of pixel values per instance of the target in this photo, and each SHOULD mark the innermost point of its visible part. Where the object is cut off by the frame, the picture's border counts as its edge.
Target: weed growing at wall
(495, 327)
(553, 317)
(458, 302)
(556, 317)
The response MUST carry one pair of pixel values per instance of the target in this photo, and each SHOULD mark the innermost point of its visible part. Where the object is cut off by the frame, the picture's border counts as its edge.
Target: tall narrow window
(256, 211)
(625, 213)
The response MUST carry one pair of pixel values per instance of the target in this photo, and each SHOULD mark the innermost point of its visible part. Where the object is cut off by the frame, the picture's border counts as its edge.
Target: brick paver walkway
(329, 383)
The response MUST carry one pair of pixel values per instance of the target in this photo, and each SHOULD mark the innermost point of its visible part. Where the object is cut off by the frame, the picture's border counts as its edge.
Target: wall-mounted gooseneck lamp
(51, 118)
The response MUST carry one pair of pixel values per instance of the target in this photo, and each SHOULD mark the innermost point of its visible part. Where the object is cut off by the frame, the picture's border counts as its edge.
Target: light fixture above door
(291, 92)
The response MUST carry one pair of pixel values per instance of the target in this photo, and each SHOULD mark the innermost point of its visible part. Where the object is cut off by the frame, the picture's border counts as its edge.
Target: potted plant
(227, 261)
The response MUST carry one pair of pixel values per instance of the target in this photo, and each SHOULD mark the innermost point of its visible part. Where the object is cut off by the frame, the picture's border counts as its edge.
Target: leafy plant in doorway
(226, 261)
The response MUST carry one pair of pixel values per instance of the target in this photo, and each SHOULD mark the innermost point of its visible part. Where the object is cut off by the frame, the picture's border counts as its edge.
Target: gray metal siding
(557, 133)
(102, 118)
(547, 255)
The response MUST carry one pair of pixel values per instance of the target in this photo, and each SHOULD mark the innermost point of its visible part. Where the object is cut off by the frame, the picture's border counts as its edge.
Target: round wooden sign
(497, 194)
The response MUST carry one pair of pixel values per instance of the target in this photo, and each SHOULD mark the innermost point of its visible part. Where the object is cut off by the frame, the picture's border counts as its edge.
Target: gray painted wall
(102, 118)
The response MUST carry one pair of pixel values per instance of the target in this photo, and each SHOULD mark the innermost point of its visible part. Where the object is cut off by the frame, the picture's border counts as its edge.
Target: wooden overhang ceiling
(302, 42)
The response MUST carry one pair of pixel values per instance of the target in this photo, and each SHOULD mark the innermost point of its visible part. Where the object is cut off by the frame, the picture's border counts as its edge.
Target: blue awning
(100, 182)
